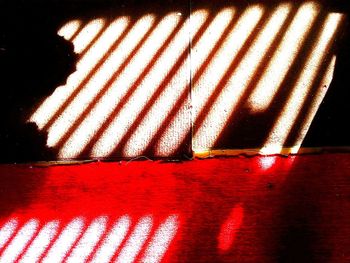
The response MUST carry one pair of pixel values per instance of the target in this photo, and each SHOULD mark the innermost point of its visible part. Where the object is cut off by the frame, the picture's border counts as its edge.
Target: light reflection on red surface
(77, 242)
(230, 228)
(214, 210)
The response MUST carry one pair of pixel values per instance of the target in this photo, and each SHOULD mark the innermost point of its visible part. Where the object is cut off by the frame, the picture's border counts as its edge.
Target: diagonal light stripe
(119, 88)
(206, 84)
(164, 64)
(136, 240)
(223, 107)
(161, 240)
(216, 69)
(16, 246)
(7, 231)
(199, 54)
(283, 57)
(112, 242)
(207, 41)
(88, 241)
(40, 243)
(84, 38)
(93, 87)
(69, 29)
(317, 99)
(86, 64)
(64, 242)
(290, 111)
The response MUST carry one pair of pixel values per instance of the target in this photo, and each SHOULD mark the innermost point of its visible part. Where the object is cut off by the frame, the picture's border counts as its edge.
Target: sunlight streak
(164, 64)
(284, 123)
(316, 102)
(160, 109)
(161, 240)
(230, 96)
(88, 33)
(207, 41)
(117, 91)
(40, 243)
(136, 240)
(199, 54)
(284, 57)
(112, 242)
(69, 29)
(230, 228)
(7, 231)
(64, 242)
(19, 242)
(228, 51)
(97, 82)
(88, 241)
(84, 67)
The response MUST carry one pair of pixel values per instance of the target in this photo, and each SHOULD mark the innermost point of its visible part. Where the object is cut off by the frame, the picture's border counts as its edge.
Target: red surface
(259, 209)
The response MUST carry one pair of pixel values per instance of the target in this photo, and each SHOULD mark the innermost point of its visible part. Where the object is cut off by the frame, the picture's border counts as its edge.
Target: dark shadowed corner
(34, 61)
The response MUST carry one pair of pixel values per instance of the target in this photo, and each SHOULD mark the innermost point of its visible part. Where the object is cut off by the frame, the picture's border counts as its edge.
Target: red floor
(259, 209)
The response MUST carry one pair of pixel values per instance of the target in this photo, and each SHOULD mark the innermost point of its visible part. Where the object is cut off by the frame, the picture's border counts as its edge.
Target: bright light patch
(161, 240)
(283, 57)
(84, 67)
(199, 53)
(69, 29)
(222, 109)
(290, 111)
(267, 162)
(97, 82)
(136, 240)
(7, 231)
(19, 242)
(105, 145)
(317, 99)
(88, 33)
(64, 242)
(88, 241)
(40, 243)
(112, 242)
(118, 89)
(230, 228)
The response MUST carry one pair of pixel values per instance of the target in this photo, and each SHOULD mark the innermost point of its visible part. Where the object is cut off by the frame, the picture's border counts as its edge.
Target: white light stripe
(88, 33)
(40, 243)
(112, 242)
(205, 86)
(164, 64)
(119, 88)
(199, 54)
(222, 109)
(317, 99)
(93, 87)
(84, 67)
(88, 241)
(136, 240)
(16, 246)
(64, 242)
(69, 29)
(7, 231)
(207, 41)
(283, 57)
(161, 240)
(284, 123)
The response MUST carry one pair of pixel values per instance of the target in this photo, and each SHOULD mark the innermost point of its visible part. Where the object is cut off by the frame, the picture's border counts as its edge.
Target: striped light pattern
(100, 240)
(152, 84)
